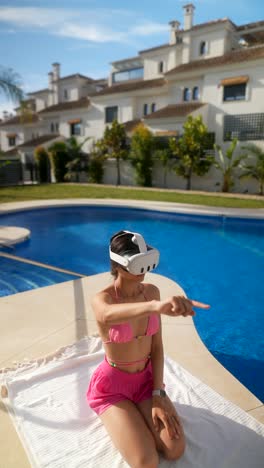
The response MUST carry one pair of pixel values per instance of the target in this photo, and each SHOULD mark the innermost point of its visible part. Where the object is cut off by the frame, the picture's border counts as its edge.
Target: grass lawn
(64, 191)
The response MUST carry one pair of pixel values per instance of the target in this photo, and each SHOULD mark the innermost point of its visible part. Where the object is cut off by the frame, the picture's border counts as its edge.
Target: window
(195, 93)
(75, 128)
(12, 141)
(161, 67)
(145, 109)
(57, 127)
(186, 94)
(125, 75)
(65, 93)
(111, 113)
(153, 107)
(244, 127)
(236, 92)
(203, 48)
(52, 127)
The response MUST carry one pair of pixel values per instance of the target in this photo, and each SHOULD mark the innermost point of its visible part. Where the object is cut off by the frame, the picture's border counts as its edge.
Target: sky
(85, 36)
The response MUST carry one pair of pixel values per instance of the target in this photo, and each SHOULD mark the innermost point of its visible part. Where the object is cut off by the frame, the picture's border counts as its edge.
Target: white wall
(72, 90)
(174, 56)
(215, 41)
(176, 89)
(209, 182)
(159, 100)
(151, 65)
(41, 103)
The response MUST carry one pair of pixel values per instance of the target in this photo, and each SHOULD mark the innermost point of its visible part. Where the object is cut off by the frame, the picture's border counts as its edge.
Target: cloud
(82, 24)
(91, 33)
(149, 28)
(39, 17)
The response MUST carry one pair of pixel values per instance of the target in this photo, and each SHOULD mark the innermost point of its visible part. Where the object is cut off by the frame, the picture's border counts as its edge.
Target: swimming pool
(215, 259)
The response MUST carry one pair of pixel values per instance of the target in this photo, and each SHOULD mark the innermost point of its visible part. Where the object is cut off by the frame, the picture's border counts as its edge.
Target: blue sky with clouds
(85, 36)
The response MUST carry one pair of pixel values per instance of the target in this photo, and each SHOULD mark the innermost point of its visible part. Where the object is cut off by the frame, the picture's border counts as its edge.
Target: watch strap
(159, 392)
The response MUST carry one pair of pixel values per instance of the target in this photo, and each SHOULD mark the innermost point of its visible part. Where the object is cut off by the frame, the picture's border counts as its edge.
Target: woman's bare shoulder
(100, 300)
(106, 294)
(151, 291)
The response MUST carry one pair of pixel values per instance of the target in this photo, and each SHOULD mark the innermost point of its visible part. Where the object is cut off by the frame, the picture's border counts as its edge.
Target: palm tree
(10, 84)
(227, 164)
(255, 171)
(78, 159)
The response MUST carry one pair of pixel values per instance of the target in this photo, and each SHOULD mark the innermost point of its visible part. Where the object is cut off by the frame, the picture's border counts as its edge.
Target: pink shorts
(109, 385)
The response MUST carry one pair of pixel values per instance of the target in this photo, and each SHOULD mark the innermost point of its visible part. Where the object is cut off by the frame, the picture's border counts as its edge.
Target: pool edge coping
(257, 213)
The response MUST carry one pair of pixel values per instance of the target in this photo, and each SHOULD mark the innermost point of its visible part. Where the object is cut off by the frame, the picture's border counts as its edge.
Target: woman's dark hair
(121, 243)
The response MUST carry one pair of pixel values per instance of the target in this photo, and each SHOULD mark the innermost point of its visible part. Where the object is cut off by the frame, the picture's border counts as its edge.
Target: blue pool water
(216, 260)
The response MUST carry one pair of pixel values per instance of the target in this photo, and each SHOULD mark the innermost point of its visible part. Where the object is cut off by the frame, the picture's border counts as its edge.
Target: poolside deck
(37, 322)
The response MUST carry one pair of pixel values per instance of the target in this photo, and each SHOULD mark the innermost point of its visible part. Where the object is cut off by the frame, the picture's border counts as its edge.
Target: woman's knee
(175, 450)
(146, 460)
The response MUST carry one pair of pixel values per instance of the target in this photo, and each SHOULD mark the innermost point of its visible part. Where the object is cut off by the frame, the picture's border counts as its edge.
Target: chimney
(175, 25)
(188, 15)
(56, 71)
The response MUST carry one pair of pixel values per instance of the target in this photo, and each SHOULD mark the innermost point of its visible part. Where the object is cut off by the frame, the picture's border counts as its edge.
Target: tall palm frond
(256, 170)
(10, 84)
(227, 163)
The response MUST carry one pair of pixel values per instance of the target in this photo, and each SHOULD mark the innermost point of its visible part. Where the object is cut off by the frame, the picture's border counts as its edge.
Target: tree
(59, 157)
(255, 171)
(190, 150)
(96, 162)
(10, 84)
(227, 164)
(142, 145)
(43, 163)
(115, 145)
(78, 160)
(163, 153)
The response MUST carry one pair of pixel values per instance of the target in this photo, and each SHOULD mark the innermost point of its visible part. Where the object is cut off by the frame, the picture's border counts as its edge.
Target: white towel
(47, 401)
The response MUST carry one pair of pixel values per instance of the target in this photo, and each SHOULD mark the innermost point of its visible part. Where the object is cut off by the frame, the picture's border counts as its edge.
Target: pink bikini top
(123, 332)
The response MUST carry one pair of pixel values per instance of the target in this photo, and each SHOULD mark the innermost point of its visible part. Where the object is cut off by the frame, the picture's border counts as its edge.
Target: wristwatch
(159, 392)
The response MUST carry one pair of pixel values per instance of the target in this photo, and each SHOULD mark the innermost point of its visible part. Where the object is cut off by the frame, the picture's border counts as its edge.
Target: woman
(127, 389)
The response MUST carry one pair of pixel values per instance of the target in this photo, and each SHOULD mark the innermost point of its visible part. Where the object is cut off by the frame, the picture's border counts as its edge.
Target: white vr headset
(146, 260)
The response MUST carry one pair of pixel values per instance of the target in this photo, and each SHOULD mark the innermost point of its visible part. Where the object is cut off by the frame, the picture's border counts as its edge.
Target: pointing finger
(201, 305)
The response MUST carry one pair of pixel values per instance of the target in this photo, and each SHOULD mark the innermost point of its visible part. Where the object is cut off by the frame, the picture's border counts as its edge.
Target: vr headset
(137, 263)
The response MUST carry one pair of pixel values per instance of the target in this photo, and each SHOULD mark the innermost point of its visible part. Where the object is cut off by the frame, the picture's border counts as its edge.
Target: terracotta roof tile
(20, 120)
(175, 110)
(38, 141)
(212, 23)
(68, 105)
(44, 90)
(247, 26)
(33, 143)
(235, 56)
(162, 46)
(131, 86)
(75, 75)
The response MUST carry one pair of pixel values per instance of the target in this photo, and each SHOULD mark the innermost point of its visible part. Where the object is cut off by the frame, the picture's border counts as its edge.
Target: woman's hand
(165, 415)
(179, 305)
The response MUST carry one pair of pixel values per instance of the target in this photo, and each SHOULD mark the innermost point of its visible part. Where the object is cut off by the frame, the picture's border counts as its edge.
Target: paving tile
(258, 413)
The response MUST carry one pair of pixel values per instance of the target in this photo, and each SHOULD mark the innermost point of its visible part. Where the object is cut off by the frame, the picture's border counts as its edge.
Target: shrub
(43, 164)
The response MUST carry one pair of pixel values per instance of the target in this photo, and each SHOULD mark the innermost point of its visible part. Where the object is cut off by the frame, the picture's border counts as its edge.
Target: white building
(214, 69)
